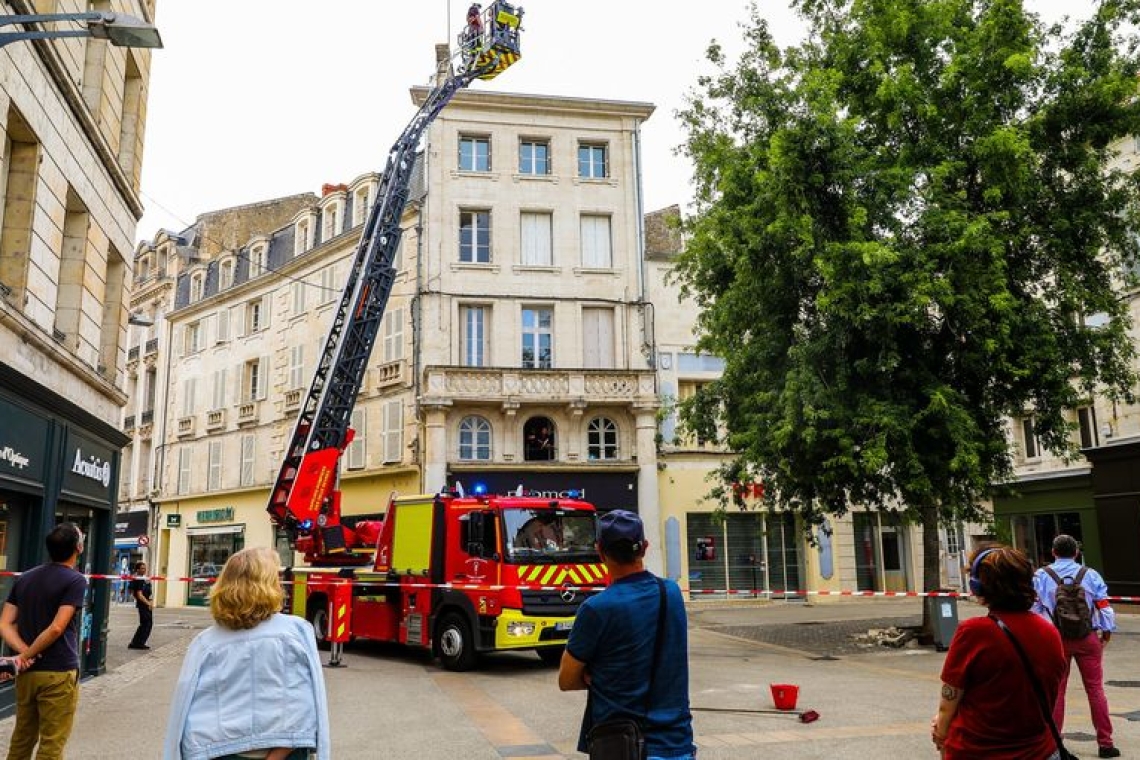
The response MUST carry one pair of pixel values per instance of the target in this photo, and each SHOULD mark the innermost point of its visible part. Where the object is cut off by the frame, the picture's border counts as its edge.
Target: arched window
(197, 281)
(475, 439)
(602, 439)
(258, 261)
(143, 272)
(226, 274)
(540, 442)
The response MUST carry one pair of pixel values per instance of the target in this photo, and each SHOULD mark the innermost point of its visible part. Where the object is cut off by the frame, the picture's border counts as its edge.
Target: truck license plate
(564, 626)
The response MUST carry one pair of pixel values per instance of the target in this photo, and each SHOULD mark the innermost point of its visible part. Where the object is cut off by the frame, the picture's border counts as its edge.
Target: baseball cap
(620, 525)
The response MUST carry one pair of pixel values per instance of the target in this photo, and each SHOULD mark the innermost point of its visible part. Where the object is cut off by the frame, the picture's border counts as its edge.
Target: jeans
(45, 707)
(1089, 654)
(146, 623)
(674, 757)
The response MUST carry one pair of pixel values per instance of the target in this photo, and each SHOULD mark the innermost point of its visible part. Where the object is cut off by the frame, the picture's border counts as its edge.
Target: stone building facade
(72, 118)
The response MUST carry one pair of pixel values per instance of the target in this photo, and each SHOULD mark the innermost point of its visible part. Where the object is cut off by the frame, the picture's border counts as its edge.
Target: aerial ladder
(305, 498)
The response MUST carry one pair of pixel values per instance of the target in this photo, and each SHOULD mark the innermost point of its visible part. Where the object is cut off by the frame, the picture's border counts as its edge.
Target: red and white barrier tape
(749, 593)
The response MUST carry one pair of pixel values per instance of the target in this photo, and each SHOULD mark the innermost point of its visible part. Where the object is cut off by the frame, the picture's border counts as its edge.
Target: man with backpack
(1075, 598)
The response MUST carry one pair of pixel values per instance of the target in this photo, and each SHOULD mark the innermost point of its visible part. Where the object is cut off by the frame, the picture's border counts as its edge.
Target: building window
(248, 452)
(255, 379)
(474, 154)
(214, 467)
(602, 439)
(301, 237)
(332, 222)
(598, 338)
(356, 455)
(226, 274)
(537, 237)
(473, 335)
(534, 157)
(257, 315)
(597, 248)
(193, 342)
(197, 282)
(360, 206)
(393, 431)
(475, 439)
(1086, 423)
(393, 330)
(475, 237)
(258, 261)
(19, 175)
(143, 272)
(539, 441)
(537, 338)
(1032, 447)
(592, 161)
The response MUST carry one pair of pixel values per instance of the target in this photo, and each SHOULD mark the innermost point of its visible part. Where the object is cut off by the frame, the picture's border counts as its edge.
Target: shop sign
(173, 521)
(23, 440)
(605, 490)
(225, 514)
(88, 468)
(129, 524)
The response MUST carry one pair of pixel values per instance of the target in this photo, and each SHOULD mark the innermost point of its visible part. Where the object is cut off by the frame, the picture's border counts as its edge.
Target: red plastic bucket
(785, 695)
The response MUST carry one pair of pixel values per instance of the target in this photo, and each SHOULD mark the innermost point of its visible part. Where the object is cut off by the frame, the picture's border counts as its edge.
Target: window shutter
(596, 252)
(262, 377)
(214, 472)
(266, 301)
(393, 430)
(184, 470)
(356, 452)
(536, 241)
(247, 444)
(238, 320)
(239, 373)
(223, 325)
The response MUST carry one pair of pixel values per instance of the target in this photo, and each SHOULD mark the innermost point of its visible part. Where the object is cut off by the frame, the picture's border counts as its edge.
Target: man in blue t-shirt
(610, 650)
(40, 623)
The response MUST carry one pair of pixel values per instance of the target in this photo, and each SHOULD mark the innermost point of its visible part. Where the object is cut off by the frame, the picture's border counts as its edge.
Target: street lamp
(117, 28)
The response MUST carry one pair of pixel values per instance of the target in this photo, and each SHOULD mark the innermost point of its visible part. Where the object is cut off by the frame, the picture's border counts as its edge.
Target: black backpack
(1071, 613)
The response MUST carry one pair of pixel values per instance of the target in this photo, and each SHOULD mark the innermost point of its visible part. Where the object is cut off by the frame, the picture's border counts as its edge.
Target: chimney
(329, 188)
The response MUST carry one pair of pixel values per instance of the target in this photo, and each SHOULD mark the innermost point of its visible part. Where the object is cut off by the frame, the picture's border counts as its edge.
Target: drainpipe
(417, 330)
(648, 342)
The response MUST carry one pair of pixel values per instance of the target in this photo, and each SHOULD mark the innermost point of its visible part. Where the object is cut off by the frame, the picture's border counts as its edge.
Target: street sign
(144, 540)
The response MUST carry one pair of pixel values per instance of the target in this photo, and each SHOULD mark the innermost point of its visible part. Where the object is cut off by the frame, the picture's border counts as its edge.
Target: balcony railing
(129, 423)
(578, 386)
(292, 399)
(247, 413)
(152, 346)
(133, 354)
(390, 374)
(215, 419)
(186, 426)
(147, 417)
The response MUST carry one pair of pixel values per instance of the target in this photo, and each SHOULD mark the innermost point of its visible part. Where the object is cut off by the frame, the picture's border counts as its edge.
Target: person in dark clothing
(143, 594)
(40, 623)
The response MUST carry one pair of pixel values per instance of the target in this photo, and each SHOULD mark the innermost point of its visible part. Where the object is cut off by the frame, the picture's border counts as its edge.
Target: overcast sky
(257, 99)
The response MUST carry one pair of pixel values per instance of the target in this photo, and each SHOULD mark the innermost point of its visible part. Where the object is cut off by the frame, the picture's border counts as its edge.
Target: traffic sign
(144, 540)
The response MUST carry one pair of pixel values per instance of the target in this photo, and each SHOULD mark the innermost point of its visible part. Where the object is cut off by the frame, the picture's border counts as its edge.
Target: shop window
(208, 555)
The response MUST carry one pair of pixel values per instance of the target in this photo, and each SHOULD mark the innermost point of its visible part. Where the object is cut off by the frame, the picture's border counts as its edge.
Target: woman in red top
(989, 707)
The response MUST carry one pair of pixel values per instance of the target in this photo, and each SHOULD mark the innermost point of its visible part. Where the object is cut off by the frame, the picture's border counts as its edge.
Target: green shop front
(57, 463)
(1039, 508)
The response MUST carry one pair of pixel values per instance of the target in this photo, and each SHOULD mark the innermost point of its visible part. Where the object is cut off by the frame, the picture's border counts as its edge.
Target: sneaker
(1108, 752)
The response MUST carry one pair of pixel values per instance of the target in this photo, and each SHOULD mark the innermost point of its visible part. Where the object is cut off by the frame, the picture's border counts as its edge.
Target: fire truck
(461, 575)
(442, 571)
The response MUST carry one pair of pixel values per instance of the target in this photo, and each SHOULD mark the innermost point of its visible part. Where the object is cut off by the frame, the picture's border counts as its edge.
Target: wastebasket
(943, 614)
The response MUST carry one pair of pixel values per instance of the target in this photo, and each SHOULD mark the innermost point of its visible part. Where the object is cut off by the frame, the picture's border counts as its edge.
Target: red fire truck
(461, 575)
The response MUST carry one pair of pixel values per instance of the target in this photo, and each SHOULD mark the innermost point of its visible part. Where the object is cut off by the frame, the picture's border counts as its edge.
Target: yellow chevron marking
(573, 573)
(534, 572)
(561, 577)
(547, 576)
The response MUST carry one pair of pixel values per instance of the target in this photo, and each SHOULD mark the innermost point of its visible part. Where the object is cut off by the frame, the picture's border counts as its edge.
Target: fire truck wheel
(454, 643)
(550, 655)
(319, 618)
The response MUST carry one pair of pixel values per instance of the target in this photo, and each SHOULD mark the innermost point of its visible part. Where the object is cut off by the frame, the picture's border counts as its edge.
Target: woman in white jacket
(251, 685)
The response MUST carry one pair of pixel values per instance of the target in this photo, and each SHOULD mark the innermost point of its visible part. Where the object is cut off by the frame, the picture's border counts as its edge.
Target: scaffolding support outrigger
(305, 500)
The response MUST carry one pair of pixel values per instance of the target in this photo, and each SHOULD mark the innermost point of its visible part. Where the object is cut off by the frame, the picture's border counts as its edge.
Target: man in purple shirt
(39, 623)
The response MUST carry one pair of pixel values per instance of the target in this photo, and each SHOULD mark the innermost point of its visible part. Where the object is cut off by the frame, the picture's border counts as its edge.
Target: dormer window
(197, 286)
(360, 206)
(332, 222)
(258, 262)
(301, 242)
(144, 269)
(226, 274)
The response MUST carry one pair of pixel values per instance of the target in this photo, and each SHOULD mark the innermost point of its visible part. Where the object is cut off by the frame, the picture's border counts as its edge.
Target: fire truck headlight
(519, 628)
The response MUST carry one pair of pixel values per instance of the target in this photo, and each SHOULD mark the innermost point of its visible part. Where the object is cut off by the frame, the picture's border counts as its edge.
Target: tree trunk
(931, 563)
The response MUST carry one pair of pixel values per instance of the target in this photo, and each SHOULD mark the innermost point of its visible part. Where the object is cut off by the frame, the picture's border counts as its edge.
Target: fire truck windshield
(548, 535)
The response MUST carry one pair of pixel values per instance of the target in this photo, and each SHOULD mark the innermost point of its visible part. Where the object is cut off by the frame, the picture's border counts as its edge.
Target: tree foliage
(899, 226)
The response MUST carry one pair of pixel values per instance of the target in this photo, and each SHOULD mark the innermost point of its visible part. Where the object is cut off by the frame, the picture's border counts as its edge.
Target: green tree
(899, 226)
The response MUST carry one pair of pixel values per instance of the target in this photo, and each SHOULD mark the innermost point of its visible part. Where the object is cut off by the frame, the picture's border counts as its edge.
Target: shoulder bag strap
(1041, 700)
(656, 645)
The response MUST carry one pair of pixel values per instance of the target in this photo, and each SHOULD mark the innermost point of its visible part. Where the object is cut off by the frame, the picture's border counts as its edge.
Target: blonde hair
(248, 590)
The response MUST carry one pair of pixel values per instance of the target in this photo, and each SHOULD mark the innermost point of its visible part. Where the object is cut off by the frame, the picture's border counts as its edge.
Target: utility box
(943, 619)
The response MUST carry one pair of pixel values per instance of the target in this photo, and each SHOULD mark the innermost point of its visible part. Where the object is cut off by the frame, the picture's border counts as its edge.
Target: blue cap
(620, 525)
